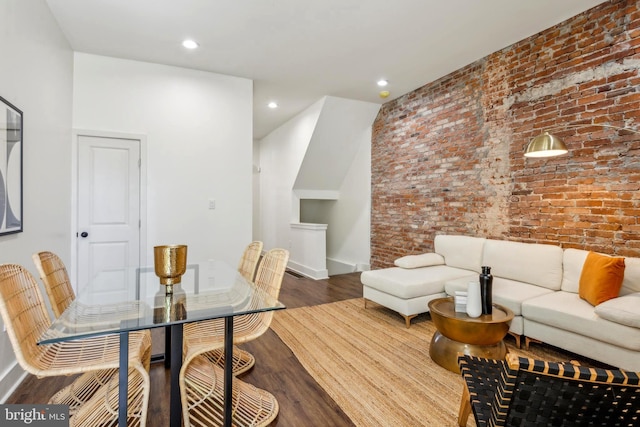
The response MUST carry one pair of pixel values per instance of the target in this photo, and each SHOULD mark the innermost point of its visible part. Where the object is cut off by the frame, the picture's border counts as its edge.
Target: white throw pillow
(416, 261)
(624, 310)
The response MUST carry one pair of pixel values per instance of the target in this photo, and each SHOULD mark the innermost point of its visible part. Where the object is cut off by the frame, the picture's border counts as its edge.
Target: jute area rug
(378, 371)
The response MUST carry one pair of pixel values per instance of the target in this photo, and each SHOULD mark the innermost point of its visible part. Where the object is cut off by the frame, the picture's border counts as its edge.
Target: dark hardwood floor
(302, 402)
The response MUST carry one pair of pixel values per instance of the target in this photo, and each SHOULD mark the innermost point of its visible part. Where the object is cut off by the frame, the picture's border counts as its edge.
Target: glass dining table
(215, 290)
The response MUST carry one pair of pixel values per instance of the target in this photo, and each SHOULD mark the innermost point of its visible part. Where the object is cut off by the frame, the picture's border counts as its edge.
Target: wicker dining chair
(526, 392)
(201, 374)
(57, 284)
(242, 359)
(202, 394)
(25, 316)
(207, 337)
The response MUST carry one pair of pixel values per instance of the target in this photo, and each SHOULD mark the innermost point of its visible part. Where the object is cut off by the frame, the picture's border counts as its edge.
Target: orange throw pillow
(601, 278)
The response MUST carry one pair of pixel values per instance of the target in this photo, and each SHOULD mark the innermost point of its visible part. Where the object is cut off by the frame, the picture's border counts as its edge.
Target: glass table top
(211, 289)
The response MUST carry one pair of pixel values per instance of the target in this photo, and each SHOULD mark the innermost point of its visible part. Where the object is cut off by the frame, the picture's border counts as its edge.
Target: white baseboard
(341, 267)
(308, 271)
(336, 267)
(10, 381)
(363, 267)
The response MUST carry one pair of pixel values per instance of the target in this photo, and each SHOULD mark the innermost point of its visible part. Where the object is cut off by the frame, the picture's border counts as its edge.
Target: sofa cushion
(624, 310)
(573, 260)
(460, 251)
(601, 278)
(567, 311)
(422, 260)
(508, 293)
(411, 283)
(524, 262)
(631, 282)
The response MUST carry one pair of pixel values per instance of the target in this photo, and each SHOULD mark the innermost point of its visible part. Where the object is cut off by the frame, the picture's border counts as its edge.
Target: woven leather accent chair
(93, 396)
(207, 337)
(526, 392)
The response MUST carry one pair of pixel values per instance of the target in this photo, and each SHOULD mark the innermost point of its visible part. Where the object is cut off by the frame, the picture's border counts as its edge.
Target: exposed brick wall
(448, 158)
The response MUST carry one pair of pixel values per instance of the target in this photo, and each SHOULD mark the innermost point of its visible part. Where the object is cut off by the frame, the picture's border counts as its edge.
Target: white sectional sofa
(539, 283)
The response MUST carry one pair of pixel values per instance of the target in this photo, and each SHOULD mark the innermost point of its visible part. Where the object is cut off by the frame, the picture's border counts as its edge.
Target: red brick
(456, 134)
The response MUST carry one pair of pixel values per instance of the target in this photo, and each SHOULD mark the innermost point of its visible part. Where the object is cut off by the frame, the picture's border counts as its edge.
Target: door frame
(76, 135)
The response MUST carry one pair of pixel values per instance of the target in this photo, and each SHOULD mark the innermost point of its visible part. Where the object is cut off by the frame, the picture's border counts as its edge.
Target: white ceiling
(297, 51)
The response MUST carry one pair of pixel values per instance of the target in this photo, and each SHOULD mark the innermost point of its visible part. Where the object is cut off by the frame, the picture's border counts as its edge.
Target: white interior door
(108, 221)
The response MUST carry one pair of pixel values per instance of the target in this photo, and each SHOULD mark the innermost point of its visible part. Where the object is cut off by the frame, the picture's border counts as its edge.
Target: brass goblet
(170, 263)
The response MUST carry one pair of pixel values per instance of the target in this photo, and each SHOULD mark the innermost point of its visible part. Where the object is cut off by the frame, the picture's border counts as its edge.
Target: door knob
(84, 234)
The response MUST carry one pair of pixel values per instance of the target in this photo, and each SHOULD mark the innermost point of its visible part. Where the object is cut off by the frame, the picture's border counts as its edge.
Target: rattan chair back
(268, 279)
(271, 271)
(56, 281)
(250, 259)
(24, 313)
(527, 392)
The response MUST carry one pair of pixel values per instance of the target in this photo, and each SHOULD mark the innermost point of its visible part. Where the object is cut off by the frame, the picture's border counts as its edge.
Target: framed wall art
(10, 168)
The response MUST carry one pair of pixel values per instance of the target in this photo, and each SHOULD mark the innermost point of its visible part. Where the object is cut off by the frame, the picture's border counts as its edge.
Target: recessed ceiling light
(272, 104)
(382, 82)
(190, 44)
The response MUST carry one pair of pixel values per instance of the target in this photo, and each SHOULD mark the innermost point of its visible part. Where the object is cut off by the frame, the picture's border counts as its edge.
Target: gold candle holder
(170, 263)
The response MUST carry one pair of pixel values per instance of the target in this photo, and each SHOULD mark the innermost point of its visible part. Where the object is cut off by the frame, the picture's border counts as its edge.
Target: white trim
(308, 271)
(317, 194)
(11, 379)
(309, 226)
(336, 266)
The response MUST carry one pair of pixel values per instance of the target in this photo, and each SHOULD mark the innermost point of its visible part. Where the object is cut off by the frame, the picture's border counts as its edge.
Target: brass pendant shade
(545, 145)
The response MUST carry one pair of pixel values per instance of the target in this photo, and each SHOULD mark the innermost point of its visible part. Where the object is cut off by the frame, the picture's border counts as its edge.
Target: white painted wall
(349, 217)
(339, 130)
(334, 143)
(256, 188)
(281, 154)
(199, 143)
(349, 240)
(36, 75)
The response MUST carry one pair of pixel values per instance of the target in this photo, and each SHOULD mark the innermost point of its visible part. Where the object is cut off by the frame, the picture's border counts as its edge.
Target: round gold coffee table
(458, 333)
